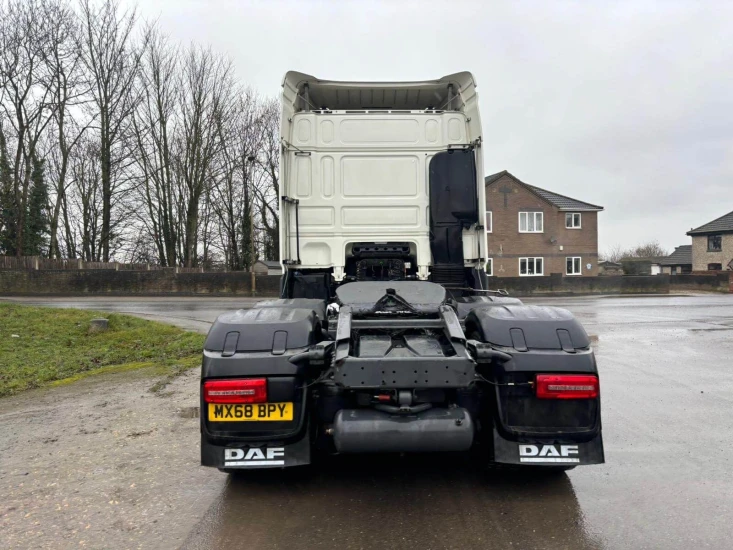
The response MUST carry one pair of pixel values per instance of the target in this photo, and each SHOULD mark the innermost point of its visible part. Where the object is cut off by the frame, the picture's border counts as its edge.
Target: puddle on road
(188, 412)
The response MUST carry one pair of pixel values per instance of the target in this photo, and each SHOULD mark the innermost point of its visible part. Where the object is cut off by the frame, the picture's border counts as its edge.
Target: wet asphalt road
(667, 382)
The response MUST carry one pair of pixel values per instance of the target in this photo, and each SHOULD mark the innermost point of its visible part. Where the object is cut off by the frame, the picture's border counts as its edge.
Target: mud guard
(549, 452)
(248, 456)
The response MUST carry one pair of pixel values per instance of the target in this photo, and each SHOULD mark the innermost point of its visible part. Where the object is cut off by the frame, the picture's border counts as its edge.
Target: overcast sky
(626, 105)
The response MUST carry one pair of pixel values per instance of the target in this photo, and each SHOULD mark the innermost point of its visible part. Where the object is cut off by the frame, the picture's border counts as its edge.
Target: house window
(572, 266)
(489, 222)
(715, 267)
(531, 222)
(572, 220)
(490, 267)
(531, 267)
(715, 243)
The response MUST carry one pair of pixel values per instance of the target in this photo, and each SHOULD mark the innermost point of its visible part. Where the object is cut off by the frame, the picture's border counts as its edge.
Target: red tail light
(242, 390)
(566, 386)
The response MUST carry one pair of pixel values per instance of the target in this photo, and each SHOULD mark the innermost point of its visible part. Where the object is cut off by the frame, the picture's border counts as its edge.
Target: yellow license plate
(255, 412)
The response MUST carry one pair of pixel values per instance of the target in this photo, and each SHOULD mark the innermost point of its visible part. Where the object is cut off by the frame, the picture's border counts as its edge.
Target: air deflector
(453, 203)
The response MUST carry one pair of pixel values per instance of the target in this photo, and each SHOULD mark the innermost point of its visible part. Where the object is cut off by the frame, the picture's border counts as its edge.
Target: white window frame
(534, 266)
(489, 222)
(580, 265)
(572, 220)
(489, 267)
(536, 216)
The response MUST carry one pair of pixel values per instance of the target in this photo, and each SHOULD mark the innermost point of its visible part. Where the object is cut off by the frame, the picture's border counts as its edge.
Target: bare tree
(151, 153)
(86, 203)
(186, 154)
(649, 249)
(207, 88)
(112, 59)
(269, 194)
(155, 126)
(24, 97)
(69, 88)
(234, 192)
(613, 253)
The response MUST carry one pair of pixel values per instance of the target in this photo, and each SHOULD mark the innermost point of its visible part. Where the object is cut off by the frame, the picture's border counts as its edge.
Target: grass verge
(39, 346)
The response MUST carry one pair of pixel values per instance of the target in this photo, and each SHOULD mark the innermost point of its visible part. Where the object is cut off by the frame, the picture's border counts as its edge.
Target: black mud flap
(250, 456)
(549, 453)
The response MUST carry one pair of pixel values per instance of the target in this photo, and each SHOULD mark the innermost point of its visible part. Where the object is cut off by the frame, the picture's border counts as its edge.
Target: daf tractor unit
(386, 337)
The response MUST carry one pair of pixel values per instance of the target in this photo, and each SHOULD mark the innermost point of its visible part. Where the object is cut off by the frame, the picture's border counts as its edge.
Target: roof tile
(560, 201)
(682, 255)
(722, 224)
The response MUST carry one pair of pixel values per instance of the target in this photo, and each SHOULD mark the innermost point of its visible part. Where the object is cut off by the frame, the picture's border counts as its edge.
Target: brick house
(679, 262)
(712, 245)
(535, 232)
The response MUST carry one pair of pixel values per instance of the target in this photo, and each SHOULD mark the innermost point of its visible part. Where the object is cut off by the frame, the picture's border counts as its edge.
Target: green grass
(56, 346)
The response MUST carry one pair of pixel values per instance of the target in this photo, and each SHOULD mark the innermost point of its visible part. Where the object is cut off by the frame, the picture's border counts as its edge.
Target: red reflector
(242, 390)
(566, 386)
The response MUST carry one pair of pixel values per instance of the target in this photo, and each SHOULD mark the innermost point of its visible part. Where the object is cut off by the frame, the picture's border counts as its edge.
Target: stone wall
(165, 283)
(717, 282)
(614, 284)
(557, 284)
(140, 283)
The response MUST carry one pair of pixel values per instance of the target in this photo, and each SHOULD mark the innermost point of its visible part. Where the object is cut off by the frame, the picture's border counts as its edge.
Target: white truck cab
(370, 186)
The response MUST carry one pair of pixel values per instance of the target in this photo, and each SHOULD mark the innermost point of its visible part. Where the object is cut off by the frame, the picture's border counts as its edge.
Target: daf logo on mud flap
(255, 457)
(548, 453)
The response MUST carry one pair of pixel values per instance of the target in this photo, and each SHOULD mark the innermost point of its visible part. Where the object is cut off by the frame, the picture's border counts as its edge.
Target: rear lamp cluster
(566, 386)
(233, 391)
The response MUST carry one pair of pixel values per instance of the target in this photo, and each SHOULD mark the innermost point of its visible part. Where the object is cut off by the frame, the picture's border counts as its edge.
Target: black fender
(466, 304)
(271, 325)
(533, 340)
(524, 327)
(264, 341)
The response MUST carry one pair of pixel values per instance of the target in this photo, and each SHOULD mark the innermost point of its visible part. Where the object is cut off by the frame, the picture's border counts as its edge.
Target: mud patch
(189, 412)
(140, 433)
(176, 371)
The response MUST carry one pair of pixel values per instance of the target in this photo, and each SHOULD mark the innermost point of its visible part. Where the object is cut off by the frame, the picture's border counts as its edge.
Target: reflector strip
(545, 459)
(255, 463)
